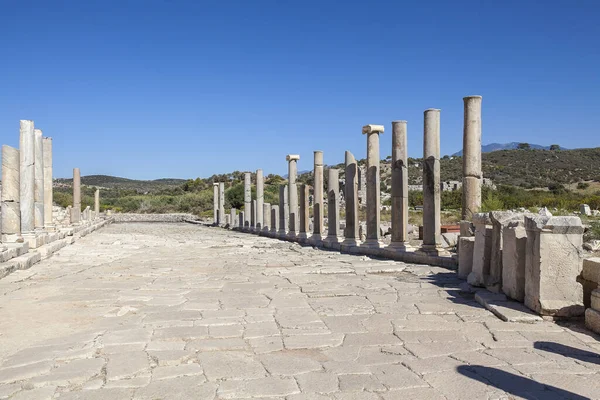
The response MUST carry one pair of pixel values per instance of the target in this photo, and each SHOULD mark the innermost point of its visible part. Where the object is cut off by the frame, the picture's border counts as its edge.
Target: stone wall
(127, 217)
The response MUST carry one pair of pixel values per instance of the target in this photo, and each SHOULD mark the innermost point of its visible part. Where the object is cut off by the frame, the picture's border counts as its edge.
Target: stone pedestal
(39, 180)
(351, 236)
(500, 219)
(97, 203)
(10, 208)
(266, 218)
(247, 199)
(472, 176)
(294, 217)
(482, 250)
(304, 212)
(514, 253)
(215, 203)
(333, 207)
(221, 215)
(27, 176)
(554, 261)
(432, 237)
(274, 220)
(76, 210)
(373, 238)
(317, 235)
(466, 246)
(283, 207)
(399, 188)
(260, 199)
(48, 194)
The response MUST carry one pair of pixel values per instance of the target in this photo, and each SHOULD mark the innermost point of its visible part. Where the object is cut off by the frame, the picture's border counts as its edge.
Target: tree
(554, 147)
(523, 146)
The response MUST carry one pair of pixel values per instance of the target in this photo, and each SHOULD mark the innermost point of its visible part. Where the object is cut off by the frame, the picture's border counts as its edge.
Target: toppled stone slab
(505, 309)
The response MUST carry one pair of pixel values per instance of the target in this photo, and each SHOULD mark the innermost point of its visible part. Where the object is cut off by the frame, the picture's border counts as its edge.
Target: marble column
(304, 212)
(472, 175)
(11, 209)
(373, 238)
(317, 235)
(352, 238)
(274, 220)
(48, 195)
(333, 206)
(97, 203)
(38, 140)
(399, 187)
(247, 199)
(234, 221)
(27, 176)
(76, 210)
(221, 215)
(294, 218)
(266, 218)
(242, 220)
(283, 206)
(215, 203)
(432, 236)
(260, 199)
(253, 216)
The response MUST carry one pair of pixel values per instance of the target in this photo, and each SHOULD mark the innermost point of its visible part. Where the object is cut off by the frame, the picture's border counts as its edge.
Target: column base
(332, 242)
(292, 235)
(433, 250)
(316, 239)
(372, 244)
(351, 242)
(282, 234)
(401, 247)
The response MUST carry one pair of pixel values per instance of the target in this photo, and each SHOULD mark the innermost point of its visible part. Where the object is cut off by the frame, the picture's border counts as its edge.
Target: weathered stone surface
(373, 235)
(76, 210)
(591, 269)
(584, 209)
(472, 174)
(247, 199)
(39, 179)
(399, 186)
(554, 261)
(27, 176)
(318, 210)
(260, 199)
(466, 246)
(351, 235)
(500, 220)
(514, 254)
(482, 251)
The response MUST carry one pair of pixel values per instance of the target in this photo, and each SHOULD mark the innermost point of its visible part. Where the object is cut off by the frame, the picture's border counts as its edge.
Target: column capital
(471, 97)
(373, 129)
(291, 157)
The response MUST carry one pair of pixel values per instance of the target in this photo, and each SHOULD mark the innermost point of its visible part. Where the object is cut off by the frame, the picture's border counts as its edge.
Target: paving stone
(360, 383)
(126, 365)
(266, 387)
(44, 393)
(289, 363)
(176, 371)
(434, 349)
(231, 365)
(73, 373)
(186, 387)
(319, 382)
(313, 341)
(13, 374)
(99, 394)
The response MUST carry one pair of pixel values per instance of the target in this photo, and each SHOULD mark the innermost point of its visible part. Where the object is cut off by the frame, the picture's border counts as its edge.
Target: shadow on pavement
(568, 351)
(516, 385)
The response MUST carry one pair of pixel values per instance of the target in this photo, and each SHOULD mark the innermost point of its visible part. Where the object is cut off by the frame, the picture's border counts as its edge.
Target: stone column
(39, 179)
(482, 249)
(242, 220)
(97, 203)
(432, 236)
(304, 212)
(11, 208)
(351, 235)
(247, 199)
(274, 220)
(76, 210)
(472, 176)
(283, 206)
(399, 187)
(260, 199)
(215, 203)
(294, 218)
(253, 216)
(333, 206)
(221, 203)
(317, 235)
(27, 176)
(48, 195)
(266, 222)
(234, 221)
(373, 185)
(554, 261)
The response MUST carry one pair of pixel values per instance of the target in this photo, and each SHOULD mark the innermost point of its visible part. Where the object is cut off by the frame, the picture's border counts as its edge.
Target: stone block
(482, 250)
(553, 263)
(500, 220)
(514, 253)
(584, 209)
(591, 269)
(466, 246)
(592, 320)
(595, 300)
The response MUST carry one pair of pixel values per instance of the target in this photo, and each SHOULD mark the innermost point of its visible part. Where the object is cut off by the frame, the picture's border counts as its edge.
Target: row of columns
(290, 218)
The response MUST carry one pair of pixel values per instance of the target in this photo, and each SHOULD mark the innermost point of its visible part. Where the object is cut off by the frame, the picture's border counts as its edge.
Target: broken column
(283, 207)
(304, 212)
(317, 235)
(399, 187)
(500, 220)
(10, 207)
(373, 185)
(482, 249)
(76, 210)
(514, 253)
(97, 203)
(432, 236)
(294, 218)
(260, 199)
(553, 263)
(351, 237)
(333, 206)
(39, 179)
(215, 203)
(274, 220)
(466, 246)
(266, 218)
(234, 219)
(27, 176)
(221, 215)
(247, 199)
(242, 220)
(472, 175)
(48, 195)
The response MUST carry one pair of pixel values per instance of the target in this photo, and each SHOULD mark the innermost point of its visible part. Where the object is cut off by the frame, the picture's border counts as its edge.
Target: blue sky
(149, 89)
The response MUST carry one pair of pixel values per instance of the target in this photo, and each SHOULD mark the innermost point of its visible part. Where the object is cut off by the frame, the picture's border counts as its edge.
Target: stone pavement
(176, 311)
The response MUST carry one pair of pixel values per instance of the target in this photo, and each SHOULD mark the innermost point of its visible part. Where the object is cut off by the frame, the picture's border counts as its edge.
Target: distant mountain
(107, 181)
(488, 148)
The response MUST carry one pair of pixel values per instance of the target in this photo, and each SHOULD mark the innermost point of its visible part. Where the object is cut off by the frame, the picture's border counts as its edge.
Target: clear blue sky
(149, 89)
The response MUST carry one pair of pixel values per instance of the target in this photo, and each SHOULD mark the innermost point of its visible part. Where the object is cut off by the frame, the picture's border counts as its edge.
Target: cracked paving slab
(163, 311)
